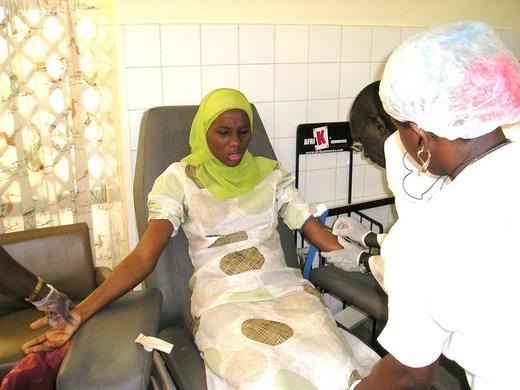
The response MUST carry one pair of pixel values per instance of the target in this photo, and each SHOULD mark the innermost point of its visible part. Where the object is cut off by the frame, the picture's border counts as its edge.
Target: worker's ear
(379, 124)
(424, 136)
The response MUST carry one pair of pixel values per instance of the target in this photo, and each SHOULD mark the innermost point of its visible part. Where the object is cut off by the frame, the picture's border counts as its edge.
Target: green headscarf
(222, 181)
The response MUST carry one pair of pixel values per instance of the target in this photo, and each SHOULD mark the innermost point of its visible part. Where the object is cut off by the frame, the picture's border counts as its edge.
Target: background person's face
(372, 135)
(228, 137)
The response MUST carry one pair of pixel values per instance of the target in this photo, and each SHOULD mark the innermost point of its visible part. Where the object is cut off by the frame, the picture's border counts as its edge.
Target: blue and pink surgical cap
(456, 81)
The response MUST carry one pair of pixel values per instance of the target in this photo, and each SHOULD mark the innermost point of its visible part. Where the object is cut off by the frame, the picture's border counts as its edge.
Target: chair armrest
(102, 274)
(184, 362)
(103, 353)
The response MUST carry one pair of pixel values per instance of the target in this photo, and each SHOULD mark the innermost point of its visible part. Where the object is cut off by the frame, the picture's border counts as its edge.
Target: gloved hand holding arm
(352, 229)
(352, 258)
(347, 258)
(56, 306)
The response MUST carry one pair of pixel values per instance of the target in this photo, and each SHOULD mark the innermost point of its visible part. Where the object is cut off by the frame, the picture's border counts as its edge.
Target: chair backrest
(61, 255)
(164, 139)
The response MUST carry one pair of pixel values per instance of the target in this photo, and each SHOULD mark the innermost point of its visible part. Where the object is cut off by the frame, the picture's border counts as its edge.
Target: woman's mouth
(235, 156)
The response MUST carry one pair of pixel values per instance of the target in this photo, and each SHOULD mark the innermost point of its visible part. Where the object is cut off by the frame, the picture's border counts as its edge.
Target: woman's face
(228, 137)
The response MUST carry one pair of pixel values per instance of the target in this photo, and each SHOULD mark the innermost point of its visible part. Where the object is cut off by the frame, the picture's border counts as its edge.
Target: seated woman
(257, 322)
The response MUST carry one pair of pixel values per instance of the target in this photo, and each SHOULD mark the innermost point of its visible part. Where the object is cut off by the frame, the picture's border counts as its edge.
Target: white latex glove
(346, 259)
(350, 228)
(56, 306)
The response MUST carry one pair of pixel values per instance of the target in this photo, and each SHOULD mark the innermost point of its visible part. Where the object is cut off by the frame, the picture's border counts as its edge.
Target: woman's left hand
(54, 338)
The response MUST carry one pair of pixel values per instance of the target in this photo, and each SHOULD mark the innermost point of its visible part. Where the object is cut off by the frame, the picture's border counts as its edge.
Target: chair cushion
(61, 255)
(104, 355)
(14, 331)
(357, 289)
(184, 362)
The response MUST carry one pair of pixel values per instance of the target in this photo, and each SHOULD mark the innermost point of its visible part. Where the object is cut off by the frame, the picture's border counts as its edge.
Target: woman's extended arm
(128, 274)
(320, 235)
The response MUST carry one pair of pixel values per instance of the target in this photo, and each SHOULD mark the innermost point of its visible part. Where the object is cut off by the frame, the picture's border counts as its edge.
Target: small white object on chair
(150, 343)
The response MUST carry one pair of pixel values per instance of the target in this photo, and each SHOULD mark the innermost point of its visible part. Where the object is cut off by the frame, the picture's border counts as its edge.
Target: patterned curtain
(58, 121)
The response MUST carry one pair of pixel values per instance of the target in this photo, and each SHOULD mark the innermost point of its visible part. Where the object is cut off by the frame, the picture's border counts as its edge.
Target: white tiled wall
(292, 73)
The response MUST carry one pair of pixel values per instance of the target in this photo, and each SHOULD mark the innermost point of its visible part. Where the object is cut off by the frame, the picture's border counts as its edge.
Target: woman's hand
(54, 338)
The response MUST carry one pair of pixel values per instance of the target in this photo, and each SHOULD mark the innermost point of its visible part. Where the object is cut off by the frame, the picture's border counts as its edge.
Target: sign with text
(323, 137)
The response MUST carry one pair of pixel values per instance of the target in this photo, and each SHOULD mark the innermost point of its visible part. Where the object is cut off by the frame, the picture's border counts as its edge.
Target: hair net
(456, 81)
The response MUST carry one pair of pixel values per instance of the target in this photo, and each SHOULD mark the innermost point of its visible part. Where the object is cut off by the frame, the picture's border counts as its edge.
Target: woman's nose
(234, 139)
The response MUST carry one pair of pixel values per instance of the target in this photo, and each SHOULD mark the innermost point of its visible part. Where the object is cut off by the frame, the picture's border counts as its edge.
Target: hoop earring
(424, 163)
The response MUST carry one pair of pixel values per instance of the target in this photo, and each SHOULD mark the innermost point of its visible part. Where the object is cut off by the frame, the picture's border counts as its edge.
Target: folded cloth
(36, 371)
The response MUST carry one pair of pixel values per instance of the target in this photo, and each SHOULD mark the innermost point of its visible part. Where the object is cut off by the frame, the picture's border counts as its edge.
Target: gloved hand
(348, 227)
(347, 259)
(57, 307)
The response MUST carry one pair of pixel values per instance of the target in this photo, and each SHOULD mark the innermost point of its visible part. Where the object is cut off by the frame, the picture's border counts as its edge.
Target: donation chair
(163, 139)
(354, 288)
(351, 288)
(103, 353)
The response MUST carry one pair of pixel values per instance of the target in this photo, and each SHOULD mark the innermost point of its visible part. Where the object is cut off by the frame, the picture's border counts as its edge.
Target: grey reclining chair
(103, 353)
(163, 139)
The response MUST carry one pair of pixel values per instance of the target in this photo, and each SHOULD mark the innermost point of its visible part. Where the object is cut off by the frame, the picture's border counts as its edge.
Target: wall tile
(256, 44)
(219, 44)
(358, 182)
(180, 45)
(219, 76)
(285, 151)
(321, 161)
(354, 77)
(356, 44)
(287, 117)
(376, 70)
(266, 112)
(322, 111)
(134, 123)
(257, 82)
(320, 185)
(374, 181)
(324, 43)
(291, 44)
(144, 88)
(344, 108)
(142, 45)
(182, 85)
(290, 82)
(324, 81)
(384, 41)
(341, 183)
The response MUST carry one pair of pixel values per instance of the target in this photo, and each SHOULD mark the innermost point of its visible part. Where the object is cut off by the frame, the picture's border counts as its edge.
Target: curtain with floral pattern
(58, 121)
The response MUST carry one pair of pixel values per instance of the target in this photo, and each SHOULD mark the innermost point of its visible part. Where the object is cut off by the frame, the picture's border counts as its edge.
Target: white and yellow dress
(257, 322)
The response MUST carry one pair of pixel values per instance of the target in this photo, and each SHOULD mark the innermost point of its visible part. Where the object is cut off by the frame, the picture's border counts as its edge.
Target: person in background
(18, 282)
(450, 268)
(376, 136)
(257, 322)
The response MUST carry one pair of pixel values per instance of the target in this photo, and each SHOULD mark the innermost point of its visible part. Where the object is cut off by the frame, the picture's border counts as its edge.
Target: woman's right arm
(128, 274)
